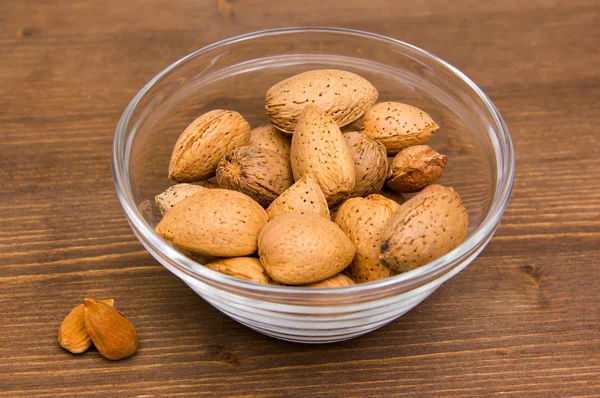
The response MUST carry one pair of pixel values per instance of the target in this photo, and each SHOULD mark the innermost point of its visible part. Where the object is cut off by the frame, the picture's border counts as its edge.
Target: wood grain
(522, 320)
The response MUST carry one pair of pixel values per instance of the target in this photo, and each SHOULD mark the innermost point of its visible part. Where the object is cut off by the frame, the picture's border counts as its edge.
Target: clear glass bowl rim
(407, 281)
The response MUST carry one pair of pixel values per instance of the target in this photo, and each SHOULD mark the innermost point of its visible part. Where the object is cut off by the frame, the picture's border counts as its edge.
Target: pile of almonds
(267, 217)
(98, 322)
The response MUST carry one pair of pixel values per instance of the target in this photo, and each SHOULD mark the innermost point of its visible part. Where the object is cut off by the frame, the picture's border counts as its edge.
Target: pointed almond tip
(172, 174)
(310, 109)
(88, 301)
(110, 302)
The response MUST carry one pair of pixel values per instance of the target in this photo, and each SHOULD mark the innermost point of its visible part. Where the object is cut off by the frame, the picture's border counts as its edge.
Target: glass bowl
(235, 74)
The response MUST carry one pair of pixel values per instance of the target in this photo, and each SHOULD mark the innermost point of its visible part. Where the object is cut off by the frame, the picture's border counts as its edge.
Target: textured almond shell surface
(247, 268)
(343, 95)
(304, 197)
(269, 137)
(426, 227)
(260, 173)
(363, 220)
(175, 194)
(338, 280)
(215, 222)
(370, 163)
(319, 148)
(203, 143)
(414, 168)
(113, 335)
(72, 334)
(398, 126)
(297, 249)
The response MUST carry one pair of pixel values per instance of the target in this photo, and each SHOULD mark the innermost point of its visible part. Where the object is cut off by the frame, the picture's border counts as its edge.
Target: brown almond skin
(113, 335)
(363, 220)
(175, 194)
(370, 163)
(304, 197)
(247, 268)
(72, 334)
(319, 148)
(338, 280)
(298, 249)
(425, 228)
(203, 143)
(260, 173)
(398, 126)
(214, 222)
(269, 137)
(343, 95)
(414, 168)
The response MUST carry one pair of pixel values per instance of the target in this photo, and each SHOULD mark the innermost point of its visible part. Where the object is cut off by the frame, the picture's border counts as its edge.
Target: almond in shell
(203, 143)
(426, 227)
(363, 220)
(247, 268)
(269, 137)
(398, 126)
(215, 222)
(175, 194)
(343, 95)
(319, 148)
(414, 168)
(297, 249)
(339, 280)
(370, 163)
(304, 197)
(260, 173)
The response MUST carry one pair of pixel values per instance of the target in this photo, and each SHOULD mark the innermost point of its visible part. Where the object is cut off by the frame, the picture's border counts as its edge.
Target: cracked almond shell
(269, 137)
(297, 249)
(319, 148)
(370, 163)
(260, 173)
(343, 95)
(414, 168)
(304, 197)
(426, 227)
(363, 220)
(214, 222)
(398, 126)
(203, 143)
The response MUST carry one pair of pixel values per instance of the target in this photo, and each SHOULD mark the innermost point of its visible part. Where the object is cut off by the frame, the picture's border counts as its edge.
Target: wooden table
(523, 319)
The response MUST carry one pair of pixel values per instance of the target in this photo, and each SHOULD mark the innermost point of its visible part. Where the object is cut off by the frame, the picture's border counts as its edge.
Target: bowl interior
(236, 75)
